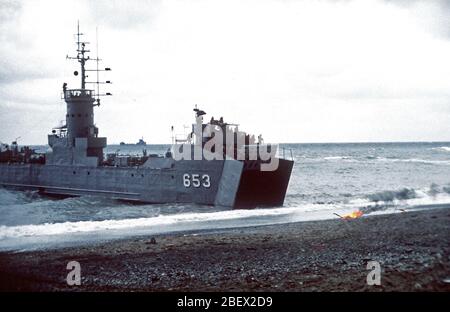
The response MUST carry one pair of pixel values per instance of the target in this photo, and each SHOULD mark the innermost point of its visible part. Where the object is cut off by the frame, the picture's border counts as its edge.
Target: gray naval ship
(206, 168)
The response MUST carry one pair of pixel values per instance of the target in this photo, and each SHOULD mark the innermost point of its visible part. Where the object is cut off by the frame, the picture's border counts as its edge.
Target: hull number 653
(196, 180)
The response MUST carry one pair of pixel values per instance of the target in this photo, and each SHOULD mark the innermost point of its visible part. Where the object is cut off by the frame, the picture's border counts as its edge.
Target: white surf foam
(338, 158)
(91, 226)
(51, 234)
(66, 233)
(442, 148)
(420, 197)
(415, 160)
(384, 159)
(244, 217)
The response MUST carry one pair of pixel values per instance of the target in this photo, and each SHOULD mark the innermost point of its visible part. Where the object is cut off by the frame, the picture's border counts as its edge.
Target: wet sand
(413, 249)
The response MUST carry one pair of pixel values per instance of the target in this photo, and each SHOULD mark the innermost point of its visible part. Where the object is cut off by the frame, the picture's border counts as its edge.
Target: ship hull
(227, 183)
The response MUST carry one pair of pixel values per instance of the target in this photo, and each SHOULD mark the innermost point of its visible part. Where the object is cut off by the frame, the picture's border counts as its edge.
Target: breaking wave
(405, 198)
(92, 226)
(64, 233)
(442, 148)
(12, 198)
(389, 196)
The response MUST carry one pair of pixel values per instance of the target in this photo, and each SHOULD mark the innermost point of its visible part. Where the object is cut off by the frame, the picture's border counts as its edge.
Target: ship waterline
(222, 183)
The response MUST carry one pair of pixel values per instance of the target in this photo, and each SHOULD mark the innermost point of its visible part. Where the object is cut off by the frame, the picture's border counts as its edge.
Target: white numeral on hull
(196, 180)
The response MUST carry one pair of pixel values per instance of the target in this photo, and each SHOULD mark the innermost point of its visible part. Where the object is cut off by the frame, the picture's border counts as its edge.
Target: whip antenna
(98, 82)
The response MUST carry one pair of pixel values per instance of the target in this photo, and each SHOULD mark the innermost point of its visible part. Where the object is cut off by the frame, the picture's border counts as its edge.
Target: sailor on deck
(260, 139)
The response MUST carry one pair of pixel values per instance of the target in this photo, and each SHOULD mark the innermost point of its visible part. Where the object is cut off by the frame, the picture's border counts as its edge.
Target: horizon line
(281, 143)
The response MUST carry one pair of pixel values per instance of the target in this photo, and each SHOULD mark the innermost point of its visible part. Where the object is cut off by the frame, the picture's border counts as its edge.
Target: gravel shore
(413, 249)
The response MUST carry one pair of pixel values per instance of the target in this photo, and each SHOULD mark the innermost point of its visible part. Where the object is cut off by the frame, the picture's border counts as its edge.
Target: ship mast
(81, 50)
(82, 59)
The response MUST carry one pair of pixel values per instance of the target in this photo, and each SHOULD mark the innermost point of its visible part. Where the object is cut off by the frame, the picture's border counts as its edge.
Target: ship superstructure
(77, 142)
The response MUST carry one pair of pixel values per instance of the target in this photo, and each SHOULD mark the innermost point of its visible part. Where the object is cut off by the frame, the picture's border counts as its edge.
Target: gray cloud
(16, 64)
(438, 22)
(121, 14)
(9, 10)
(15, 68)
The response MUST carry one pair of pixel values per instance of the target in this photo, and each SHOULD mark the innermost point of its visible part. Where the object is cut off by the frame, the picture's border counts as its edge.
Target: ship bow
(259, 188)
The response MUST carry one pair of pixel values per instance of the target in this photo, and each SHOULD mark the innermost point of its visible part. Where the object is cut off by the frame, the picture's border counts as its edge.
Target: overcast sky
(295, 71)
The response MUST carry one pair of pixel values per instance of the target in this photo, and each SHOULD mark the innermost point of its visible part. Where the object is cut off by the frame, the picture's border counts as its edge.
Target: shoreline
(413, 249)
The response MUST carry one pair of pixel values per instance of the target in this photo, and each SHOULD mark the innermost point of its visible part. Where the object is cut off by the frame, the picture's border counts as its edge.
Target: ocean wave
(442, 148)
(370, 158)
(8, 197)
(162, 220)
(414, 160)
(55, 235)
(404, 198)
(410, 193)
(389, 196)
(338, 158)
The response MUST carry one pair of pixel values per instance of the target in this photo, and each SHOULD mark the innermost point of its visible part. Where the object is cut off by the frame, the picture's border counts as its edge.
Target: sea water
(327, 180)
